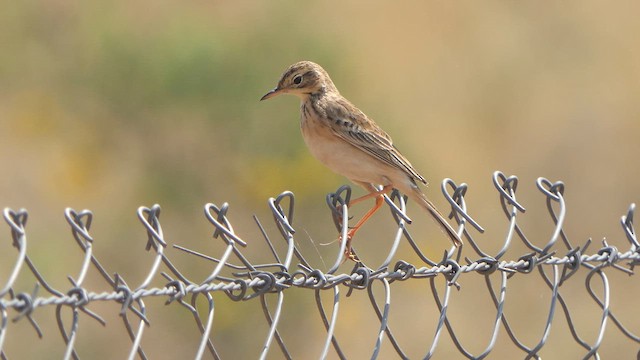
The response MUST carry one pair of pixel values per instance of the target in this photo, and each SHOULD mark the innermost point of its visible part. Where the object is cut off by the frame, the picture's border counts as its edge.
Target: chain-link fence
(236, 276)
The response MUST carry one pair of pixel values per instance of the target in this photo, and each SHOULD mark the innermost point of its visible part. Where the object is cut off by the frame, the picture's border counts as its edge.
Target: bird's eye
(297, 79)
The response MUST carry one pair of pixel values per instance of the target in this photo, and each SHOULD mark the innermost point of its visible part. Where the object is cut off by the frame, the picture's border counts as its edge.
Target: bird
(351, 144)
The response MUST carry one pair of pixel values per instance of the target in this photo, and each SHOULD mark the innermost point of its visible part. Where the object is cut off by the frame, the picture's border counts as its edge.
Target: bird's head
(302, 79)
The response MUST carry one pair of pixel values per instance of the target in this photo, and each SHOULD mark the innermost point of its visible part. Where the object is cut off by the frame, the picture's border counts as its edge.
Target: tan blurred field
(113, 105)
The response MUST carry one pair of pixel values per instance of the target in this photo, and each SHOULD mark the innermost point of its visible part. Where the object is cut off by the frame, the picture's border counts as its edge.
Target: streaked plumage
(344, 139)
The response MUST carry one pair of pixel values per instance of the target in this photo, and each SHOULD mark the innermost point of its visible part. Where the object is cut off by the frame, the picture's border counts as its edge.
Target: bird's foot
(348, 251)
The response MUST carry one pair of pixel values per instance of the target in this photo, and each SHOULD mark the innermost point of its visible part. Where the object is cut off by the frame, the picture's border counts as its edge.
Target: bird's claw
(348, 251)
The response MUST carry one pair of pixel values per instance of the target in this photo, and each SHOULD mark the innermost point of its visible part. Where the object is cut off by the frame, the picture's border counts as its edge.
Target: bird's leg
(371, 194)
(353, 230)
(376, 207)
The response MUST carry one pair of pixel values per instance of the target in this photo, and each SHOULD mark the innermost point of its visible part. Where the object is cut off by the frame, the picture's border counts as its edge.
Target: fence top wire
(252, 280)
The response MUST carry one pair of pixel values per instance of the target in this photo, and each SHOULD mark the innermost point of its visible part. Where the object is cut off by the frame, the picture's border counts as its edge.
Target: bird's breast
(338, 155)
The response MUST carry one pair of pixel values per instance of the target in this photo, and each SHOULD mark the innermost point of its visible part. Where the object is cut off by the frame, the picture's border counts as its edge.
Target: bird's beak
(274, 92)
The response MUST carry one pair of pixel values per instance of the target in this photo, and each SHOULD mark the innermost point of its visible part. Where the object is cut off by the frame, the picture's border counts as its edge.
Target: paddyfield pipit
(348, 142)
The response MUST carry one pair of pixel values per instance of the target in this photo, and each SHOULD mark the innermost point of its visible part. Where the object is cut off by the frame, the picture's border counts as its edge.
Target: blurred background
(112, 105)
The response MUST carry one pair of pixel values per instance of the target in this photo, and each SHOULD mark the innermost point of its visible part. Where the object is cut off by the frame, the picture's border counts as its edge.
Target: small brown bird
(348, 142)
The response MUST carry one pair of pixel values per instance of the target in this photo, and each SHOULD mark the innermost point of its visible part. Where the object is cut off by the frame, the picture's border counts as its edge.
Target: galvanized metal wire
(255, 281)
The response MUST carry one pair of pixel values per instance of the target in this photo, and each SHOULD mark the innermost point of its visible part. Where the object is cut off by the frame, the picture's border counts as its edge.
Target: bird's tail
(418, 196)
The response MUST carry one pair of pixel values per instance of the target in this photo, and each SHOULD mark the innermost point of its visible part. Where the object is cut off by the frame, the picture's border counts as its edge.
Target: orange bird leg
(370, 195)
(379, 200)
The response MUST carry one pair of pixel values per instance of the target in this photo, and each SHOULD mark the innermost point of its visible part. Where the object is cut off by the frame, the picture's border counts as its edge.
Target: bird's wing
(352, 125)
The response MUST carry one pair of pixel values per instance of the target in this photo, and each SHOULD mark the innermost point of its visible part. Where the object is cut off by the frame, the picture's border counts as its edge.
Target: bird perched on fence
(351, 144)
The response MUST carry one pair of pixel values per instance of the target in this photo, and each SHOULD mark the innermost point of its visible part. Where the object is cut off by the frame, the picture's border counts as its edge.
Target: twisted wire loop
(556, 261)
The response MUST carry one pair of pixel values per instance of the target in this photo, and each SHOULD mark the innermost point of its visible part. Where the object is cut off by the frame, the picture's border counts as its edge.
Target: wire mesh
(255, 281)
